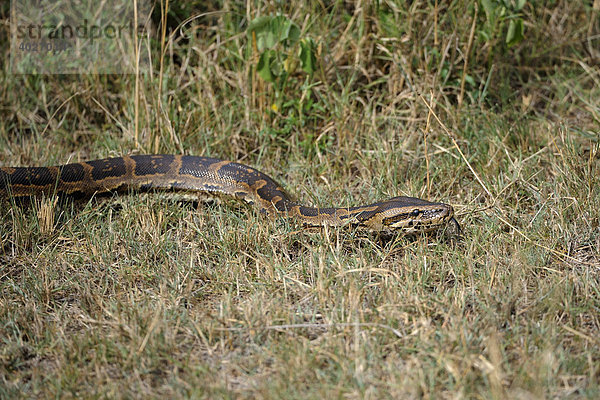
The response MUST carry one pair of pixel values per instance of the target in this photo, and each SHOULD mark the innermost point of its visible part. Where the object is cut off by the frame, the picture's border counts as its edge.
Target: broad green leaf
(307, 56)
(260, 27)
(271, 31)
(284, 29)
(293, 34)
(264, 66)
(489, 8)
(484, 36)
(276, 65)
(515, 32)
(258, 24)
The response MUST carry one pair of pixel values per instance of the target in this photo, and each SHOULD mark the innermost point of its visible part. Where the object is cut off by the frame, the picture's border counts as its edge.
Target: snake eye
(414, 213)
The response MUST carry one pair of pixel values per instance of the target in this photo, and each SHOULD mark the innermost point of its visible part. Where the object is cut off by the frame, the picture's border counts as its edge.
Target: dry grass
(149, 297)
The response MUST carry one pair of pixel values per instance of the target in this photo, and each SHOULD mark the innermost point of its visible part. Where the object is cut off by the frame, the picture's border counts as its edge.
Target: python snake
(217, 177)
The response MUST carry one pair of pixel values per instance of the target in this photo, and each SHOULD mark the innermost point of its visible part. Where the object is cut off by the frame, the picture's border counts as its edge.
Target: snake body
(216, 177)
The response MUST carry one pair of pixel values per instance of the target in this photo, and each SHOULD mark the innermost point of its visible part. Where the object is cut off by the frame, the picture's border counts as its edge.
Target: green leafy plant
(285, 59)
(498, 13)
(277, 40)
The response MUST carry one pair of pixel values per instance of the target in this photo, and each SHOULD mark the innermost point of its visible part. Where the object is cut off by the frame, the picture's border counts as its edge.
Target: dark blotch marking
(107, 168)
(196, 166)
(72, 173)
(270, 191)
(38, 176)
(395, 218)
(309, 211)
(4, 179)
(152, 165)
(355, 212)
(404, 201)
(242, 173)
(232, 172)
(365, 215)
(313, 211)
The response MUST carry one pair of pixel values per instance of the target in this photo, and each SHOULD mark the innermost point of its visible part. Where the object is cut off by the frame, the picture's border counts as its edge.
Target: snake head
(408, 215)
